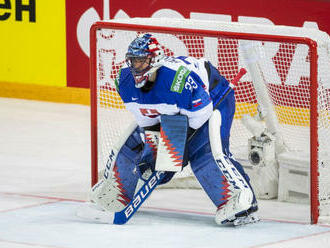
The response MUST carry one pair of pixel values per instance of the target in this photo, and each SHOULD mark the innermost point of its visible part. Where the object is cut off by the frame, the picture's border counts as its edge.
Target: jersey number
(190, 84)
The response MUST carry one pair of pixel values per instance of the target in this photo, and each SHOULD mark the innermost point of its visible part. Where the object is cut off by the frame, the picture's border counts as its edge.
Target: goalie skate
(246, 219)
(238, 203)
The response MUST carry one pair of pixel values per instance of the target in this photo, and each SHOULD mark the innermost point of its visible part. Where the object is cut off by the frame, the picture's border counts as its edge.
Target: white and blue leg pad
(205, 169)
(233, 176)
(218, 176)
(116, 189)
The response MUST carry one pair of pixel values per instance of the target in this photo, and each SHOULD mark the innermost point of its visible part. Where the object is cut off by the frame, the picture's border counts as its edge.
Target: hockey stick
(143, 193)
(157, 176)
(230, 87)
(219, 98)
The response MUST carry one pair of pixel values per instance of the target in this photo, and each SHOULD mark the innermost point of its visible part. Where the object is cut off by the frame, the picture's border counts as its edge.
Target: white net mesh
(285, 69)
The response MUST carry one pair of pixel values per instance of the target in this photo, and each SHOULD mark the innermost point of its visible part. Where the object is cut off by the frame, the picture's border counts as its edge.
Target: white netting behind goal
(285, 72)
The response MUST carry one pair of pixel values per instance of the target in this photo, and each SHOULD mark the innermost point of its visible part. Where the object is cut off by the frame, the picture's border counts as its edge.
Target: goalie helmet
(144, 57)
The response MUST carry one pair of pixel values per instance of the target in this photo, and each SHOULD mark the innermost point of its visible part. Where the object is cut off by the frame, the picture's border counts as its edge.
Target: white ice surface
(45, 176)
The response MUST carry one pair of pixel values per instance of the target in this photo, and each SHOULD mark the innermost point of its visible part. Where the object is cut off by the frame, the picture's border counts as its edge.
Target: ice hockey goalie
(152, 86)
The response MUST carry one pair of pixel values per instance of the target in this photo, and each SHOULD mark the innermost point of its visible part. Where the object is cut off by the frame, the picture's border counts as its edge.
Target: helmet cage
(136, 63)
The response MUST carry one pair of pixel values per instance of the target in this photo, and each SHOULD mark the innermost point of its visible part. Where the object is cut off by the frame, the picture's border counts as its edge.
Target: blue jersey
(181, 87)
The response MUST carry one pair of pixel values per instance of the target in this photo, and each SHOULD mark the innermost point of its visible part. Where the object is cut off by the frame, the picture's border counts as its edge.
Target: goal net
(281, 127)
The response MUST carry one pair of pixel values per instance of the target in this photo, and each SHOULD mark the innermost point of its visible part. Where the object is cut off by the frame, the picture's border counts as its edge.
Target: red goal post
(105, 102)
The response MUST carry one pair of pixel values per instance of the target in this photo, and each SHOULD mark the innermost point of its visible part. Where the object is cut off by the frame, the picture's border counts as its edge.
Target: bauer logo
(142, 194)
(179, 79)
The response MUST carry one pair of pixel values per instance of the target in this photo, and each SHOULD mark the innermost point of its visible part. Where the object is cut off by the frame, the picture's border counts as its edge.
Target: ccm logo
(138, 199)
(231, 173)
